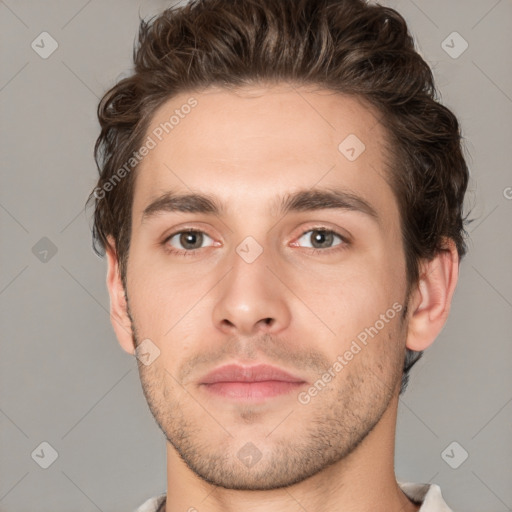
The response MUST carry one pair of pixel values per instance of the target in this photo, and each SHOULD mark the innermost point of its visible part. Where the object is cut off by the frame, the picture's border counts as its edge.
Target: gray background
(65, 380)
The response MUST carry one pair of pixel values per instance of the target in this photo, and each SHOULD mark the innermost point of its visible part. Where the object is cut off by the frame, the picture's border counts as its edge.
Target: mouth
(249, 383)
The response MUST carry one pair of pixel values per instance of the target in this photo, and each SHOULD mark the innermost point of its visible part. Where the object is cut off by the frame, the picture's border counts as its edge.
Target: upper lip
(257, 373)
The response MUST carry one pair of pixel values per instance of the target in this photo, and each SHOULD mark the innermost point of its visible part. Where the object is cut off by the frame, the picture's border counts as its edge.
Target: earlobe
(431, 300)
(118, 307)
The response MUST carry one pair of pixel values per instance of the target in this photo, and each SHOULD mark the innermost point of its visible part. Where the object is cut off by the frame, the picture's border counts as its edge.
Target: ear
(118, 307)
(430, 301)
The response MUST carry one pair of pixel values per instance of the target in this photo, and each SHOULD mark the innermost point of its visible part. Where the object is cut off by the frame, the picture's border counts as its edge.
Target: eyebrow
(299, 201)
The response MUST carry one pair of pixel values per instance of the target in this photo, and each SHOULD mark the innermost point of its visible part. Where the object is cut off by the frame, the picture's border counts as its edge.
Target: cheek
(351, 296)
(163, 301)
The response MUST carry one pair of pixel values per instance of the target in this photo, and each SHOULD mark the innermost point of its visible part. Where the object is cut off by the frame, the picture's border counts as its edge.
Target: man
(280, 202)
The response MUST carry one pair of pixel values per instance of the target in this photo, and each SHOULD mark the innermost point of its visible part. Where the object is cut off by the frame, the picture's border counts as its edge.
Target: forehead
(254, 143)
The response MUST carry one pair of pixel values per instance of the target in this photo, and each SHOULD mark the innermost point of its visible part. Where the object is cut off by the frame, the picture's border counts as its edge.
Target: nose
(252, 299)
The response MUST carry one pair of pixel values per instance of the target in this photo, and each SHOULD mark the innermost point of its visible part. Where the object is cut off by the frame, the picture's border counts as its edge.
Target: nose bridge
(248, 280)
(251, 297)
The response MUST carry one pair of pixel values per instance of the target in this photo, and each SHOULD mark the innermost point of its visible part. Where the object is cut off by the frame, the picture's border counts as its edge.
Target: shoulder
(429, 495)
(152, 504)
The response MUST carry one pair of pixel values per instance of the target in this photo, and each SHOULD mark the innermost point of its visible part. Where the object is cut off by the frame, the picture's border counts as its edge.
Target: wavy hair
(347, 46)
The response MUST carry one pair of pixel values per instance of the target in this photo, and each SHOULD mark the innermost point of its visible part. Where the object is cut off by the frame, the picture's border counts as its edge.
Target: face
(264, 269)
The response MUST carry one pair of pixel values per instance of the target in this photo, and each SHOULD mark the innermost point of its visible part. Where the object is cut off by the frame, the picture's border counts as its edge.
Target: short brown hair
(348, 46)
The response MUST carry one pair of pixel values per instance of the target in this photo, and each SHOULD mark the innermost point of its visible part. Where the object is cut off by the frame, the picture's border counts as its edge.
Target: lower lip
(252, 390)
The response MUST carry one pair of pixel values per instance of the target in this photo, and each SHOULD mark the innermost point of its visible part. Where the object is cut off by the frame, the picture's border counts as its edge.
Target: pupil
(323, 235)
(188, 239)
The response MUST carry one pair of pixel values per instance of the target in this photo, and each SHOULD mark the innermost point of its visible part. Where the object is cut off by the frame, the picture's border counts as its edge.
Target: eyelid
(196, 228)
(180, 231)
(345, 239)
(323, 227)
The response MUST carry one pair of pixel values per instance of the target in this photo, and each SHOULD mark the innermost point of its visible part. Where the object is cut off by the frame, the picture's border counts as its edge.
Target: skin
(209, 308)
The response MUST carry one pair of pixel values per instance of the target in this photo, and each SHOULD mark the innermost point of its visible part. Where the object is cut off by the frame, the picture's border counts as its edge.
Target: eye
(322, 239)
(190, 241)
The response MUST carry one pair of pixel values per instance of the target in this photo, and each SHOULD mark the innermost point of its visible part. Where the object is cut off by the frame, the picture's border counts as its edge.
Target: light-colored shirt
(429, 495)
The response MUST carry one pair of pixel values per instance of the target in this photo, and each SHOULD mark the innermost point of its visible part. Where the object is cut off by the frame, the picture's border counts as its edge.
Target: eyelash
(340, 247)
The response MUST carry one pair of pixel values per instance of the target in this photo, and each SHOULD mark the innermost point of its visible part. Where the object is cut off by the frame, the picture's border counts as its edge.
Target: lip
(250, 383)
(257, 373)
